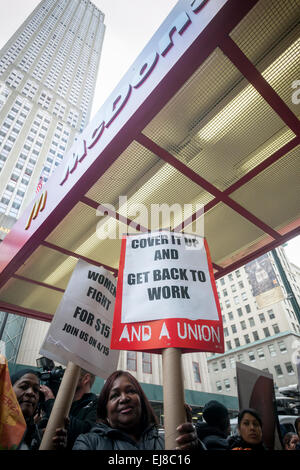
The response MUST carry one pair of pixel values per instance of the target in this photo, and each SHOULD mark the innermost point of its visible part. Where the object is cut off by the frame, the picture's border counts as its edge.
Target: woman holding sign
(126, 420)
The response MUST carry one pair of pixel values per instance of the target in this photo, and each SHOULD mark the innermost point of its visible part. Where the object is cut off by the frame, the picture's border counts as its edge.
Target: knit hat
(215, 413)
(17, 375)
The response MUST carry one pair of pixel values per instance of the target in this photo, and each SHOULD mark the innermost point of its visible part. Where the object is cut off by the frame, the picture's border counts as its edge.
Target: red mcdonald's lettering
(118, 104)
(178, 26)
(145, 70)
(182, 21)
(197, 5)
(73, 162)
(37, 207)
(97, 133)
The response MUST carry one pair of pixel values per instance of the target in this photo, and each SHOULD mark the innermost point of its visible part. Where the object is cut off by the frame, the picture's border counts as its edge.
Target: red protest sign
(166, 295)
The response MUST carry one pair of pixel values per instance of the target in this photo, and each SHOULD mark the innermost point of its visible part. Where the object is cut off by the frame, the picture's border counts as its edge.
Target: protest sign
(79, 336)
(167, 303)
(256, 390)
(81, 328)
(166, 295)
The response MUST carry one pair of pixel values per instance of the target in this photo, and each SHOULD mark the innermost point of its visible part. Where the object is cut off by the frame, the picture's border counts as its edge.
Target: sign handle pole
(62, 404)
(173, 393)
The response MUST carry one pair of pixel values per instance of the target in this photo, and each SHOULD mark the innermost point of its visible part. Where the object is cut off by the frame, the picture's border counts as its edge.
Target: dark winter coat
(83, 416)
(32, 437)
(103, 437)
(212, 437)
(237, 443)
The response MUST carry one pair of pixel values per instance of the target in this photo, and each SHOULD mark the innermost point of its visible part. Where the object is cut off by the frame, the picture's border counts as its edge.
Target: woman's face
(124, 405)
(27, 390)
(250, 429)
(293, 442)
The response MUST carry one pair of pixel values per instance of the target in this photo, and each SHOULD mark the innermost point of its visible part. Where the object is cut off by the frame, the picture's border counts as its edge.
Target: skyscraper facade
(260, 330)
(48, 71)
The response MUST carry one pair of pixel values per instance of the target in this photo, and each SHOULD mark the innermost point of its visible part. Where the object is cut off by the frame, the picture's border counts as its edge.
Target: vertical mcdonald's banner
(166, 295)
(12, 422)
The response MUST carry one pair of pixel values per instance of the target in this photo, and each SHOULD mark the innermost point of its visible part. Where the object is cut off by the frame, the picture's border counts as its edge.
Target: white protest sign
(166, 275)
(80, 331)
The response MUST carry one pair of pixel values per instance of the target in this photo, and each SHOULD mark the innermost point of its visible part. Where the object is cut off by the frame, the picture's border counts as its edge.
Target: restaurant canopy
(208, 115)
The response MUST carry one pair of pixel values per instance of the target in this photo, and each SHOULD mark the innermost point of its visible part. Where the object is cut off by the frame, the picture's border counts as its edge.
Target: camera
(51, 375)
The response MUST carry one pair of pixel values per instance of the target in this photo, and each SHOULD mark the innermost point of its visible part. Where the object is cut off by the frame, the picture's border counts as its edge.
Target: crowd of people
(122, 418)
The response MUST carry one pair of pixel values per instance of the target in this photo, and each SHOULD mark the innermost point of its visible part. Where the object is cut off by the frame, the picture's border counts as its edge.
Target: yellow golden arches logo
(38, 207)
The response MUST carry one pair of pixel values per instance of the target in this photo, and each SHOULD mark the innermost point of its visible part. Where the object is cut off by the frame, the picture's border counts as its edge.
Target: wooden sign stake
(173, 392)
(62, 404)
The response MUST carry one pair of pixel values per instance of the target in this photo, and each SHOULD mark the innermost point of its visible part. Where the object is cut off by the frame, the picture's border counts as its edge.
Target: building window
(251, 356)
(278, 370)
(240, 312)
(262, 317)
(225, 331)
(228, 345)
(215, 367)
(233, 327)
(248, 309)
(227, 384)
(196, 371)
(247, 339)
(271, 314)
(251, 321)
(260, 353)
(243, 325)
(266, 332)
(237, 342)
(218, 385)
(289, 368)
(272, 350)
(276, 328)
(223, 364)
(255, 336)
(230, 315)
(131, 360)
(147, 363)
(241, 357)
(282, 347)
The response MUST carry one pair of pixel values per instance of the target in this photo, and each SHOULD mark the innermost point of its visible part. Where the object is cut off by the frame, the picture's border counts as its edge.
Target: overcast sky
(130, 24)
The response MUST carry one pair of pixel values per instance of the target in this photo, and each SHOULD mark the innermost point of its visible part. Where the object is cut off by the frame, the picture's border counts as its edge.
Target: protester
(26, 385)
(83, 411)
(250, 432)
(126, 420)
(215, 430)
(290, 441)
(297, 425)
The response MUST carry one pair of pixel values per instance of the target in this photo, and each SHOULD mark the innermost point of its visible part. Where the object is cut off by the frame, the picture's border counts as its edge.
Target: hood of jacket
(204, 430)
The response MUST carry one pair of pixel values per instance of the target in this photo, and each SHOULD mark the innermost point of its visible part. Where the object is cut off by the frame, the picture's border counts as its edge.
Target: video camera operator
(83, 412)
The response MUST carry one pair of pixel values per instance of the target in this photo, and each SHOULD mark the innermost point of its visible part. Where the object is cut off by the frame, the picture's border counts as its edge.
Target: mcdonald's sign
(38, 207)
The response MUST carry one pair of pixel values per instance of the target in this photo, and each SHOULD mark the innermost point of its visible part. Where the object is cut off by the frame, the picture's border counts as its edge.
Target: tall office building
(48, 71)
(261, 330)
